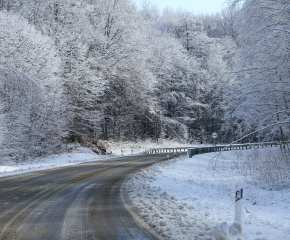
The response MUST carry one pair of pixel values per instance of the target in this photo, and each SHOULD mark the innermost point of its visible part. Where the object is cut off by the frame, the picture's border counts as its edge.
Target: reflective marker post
(238, 204)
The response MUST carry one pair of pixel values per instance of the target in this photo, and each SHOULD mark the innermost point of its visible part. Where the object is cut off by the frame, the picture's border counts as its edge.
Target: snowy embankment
(186, 199)
(127, 148)
(77, 154)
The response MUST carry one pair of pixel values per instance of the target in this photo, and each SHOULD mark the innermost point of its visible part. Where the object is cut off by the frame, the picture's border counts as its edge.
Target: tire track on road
(94, 190)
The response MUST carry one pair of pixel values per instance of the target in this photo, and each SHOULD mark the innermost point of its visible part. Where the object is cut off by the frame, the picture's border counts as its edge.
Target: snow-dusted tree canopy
(88, 70)
(30, 90)
(261, 96)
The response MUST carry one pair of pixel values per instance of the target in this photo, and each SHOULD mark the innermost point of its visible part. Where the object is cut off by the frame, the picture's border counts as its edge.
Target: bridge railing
(199, 150)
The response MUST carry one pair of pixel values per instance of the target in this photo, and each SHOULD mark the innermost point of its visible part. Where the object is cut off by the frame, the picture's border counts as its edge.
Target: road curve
(77, 202)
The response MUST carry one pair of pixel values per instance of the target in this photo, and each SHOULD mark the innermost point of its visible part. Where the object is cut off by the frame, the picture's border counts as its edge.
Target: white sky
(195, 6)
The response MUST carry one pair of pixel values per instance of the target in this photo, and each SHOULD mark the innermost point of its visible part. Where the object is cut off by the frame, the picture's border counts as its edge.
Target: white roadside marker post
(238, 204)
(214, 135)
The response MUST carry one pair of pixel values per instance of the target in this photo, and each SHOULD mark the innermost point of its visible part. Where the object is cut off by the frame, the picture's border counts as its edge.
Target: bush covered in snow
(270, 167)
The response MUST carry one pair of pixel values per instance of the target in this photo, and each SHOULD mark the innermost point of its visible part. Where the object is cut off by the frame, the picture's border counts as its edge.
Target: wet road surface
(77, 202)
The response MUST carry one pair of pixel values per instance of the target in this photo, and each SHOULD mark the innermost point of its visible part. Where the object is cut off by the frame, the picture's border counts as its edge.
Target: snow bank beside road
(187, 200)
(75, 154)
(127, 148)
(78, 155)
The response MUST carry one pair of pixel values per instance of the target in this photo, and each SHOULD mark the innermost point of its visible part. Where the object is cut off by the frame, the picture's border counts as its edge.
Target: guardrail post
(189, 153)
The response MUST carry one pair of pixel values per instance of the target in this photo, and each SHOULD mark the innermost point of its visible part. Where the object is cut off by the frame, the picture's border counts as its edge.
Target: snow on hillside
(127, 148)
(75, 156)
(75, 153)
(186, 199)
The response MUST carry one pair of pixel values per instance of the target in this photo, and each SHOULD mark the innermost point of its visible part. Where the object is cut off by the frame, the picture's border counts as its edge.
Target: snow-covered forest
(83, 70)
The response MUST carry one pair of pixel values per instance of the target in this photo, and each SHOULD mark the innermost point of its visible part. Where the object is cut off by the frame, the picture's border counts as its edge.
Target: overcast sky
(195, 6)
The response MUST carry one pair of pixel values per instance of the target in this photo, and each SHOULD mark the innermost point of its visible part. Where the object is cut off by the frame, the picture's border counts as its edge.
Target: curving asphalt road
(78, 202)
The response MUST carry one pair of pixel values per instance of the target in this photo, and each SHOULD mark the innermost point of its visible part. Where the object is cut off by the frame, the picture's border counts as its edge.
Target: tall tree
(263, 69)
(33, 59)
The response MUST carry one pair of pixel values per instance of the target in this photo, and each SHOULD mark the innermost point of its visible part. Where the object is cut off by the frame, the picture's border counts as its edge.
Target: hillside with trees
(84, 71)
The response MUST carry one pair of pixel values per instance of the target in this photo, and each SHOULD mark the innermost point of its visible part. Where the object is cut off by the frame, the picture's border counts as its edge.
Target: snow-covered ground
(127, 148)
(186, 199)
(78, 154)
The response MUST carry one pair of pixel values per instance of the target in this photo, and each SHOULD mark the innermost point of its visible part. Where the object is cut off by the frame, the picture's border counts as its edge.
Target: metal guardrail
(168, 150)
(194, 151)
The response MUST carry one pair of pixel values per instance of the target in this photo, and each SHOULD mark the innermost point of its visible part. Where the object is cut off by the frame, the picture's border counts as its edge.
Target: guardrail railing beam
(194, 151)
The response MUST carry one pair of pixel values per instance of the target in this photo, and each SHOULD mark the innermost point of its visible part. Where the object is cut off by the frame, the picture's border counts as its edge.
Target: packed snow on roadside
(128, 148)
(76, 155)
(186, 199)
